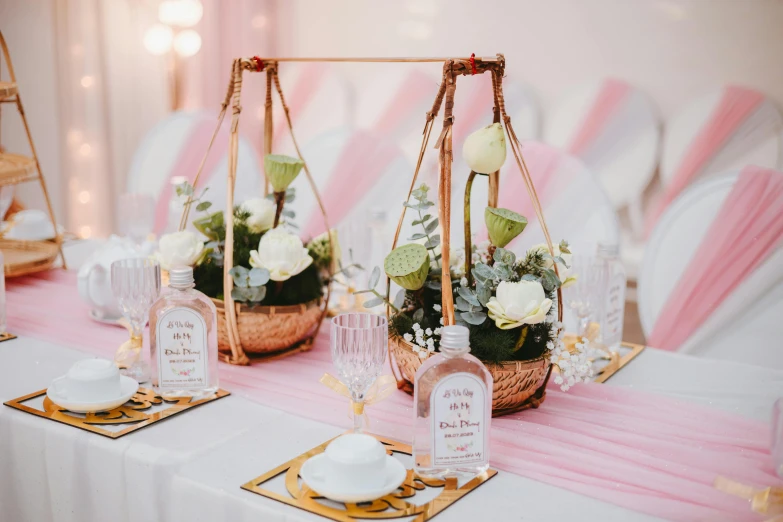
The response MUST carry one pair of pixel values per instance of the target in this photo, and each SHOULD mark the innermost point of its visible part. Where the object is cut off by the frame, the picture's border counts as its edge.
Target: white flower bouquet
(509, 304)
(274, 272)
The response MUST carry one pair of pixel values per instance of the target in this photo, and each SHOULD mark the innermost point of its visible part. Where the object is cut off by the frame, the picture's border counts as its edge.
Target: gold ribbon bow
(382, 388)
(768, 501)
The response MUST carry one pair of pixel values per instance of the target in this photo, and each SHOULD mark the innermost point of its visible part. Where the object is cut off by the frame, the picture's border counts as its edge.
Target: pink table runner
(641, 451)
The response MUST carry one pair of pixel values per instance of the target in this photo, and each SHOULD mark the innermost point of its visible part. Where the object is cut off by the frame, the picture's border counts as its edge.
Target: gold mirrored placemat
(6, 336)
(143, 409)
(419, 498)
(616, 361)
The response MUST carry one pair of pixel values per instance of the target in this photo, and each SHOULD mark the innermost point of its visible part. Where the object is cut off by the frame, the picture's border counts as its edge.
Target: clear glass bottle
(183, 339)
(452, 410)
(612, 307)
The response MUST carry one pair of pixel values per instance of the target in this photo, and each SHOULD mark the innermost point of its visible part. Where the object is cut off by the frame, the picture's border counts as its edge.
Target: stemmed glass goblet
(584, 296)
(136, 285)
(359, 345)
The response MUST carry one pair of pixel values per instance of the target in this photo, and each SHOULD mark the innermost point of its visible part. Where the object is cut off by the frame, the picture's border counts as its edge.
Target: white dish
(11, 232)
(128, 387)
(313, 475)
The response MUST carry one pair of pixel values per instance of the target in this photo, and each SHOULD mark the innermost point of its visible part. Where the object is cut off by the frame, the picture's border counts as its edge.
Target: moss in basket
(301, 288)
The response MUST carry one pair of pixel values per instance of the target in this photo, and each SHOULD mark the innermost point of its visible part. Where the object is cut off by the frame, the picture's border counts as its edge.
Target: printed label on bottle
(457, 414)
(182, 349)
(614, 311)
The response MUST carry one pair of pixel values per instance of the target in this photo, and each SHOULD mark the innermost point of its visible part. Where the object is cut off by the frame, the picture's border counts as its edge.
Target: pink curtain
(642, 451)
(736, 104)
(746, 230)
(611, 96)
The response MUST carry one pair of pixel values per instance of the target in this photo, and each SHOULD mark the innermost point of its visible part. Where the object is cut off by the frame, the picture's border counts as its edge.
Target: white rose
(179, 249)
(566, 278)
(262, 214)
(519, 303)
(281, 253)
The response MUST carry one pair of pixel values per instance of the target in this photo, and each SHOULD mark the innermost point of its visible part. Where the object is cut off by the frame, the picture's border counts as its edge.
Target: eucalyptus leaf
(468, 296)
(431, 226)
(462, 304)
(432, 243)
(238, 294)
(502, 255)
(375, 277)
(258, 276)
(479, 276)
(484, 271)
(288, 213)
(483, 293)
(373, 302)
(239, 274)
(434, 285)
(257, 294)
(418, 315)
(474, 318)
(529, 277)
(503, 271)
(550, 281)
(204, 205)
(399, 299)
(416, 236)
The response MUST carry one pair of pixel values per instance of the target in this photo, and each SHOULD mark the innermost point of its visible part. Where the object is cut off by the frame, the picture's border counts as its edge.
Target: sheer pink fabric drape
(746, 230)
(736, 104)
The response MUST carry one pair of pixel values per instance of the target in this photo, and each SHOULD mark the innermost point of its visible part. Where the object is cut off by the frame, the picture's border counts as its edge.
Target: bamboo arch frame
(233, 93)
(452, 69)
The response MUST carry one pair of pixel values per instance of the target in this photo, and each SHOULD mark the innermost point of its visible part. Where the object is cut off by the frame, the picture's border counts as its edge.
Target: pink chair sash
(611, 96)
(736, 104)
(190, 155)
(644, 452)
(746, 230)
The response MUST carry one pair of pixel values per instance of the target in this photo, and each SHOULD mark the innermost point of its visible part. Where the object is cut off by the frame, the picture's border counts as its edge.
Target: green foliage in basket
(279, 271)
(507, 303)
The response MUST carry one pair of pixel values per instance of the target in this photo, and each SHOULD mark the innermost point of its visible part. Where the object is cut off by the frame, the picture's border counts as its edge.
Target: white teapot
(94, 279)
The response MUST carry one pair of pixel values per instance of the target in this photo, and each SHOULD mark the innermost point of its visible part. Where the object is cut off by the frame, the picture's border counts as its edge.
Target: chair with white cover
(613, 127)
(712, 277)
(724, 130)
(175, 147)
(573, 200)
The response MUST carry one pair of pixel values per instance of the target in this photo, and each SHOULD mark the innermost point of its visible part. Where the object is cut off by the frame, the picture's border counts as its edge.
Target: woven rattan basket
(269, 331)
(518, 384)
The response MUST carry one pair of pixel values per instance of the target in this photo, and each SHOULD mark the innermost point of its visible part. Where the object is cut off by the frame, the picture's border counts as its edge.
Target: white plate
(8, 231)
(395, 476)
(127, 385)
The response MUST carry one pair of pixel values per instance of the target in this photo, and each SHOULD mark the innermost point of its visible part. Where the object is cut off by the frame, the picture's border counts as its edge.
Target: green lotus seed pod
(503, 225)
(408, 266)
(281, 170)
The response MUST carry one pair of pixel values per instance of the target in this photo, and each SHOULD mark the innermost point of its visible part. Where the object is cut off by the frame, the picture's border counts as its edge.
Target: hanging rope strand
(314, 188)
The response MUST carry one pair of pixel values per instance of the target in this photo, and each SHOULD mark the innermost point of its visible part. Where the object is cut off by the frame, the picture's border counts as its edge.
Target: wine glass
(136, 216)
(359, 344)
(585, 295)
(136, 285)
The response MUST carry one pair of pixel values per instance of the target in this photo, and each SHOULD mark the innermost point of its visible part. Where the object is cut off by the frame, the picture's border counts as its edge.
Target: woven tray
(27, 257)
(15, 168)
(7, 89)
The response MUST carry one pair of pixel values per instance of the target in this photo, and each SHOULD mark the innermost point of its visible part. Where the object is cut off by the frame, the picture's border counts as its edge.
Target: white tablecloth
(190, 467)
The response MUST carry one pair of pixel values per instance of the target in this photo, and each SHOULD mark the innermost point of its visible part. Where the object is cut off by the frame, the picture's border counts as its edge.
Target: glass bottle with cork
(183, 339)
(452, 410)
